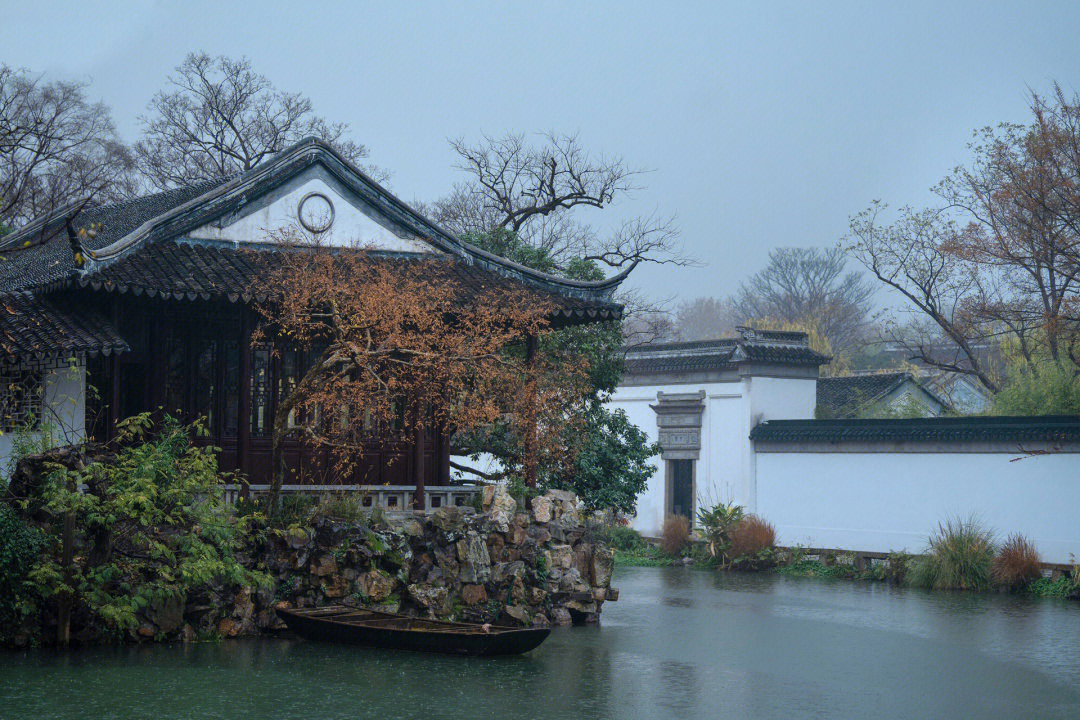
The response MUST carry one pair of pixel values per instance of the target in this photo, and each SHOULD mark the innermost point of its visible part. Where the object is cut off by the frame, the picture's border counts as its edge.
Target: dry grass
(1017, 563)
(750, 536)
(675, 535)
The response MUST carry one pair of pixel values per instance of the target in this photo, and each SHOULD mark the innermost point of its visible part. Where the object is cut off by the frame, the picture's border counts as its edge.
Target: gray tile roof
(34, 326)
(182, 270)
(765, 346)
(45, 262)
(169, 216)
(845, 396)
(1046, 428)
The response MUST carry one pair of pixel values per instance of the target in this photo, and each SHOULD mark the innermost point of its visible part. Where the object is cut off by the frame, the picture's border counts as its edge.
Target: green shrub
(1045, 387)
(816, 569)
(295, 509)
(152, 524)
(619, 537)
(1017, 563)
(20, 546)
(644, 556)
(960, 557)
(897, 566)
(341, 505)
(1066, 586)
(520, 492)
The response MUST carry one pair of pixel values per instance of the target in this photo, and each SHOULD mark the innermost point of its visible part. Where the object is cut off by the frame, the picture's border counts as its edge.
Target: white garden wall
(63, 414)
(884, 501)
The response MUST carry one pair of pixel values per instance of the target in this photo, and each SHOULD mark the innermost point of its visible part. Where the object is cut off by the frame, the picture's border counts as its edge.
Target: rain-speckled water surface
(678, 644)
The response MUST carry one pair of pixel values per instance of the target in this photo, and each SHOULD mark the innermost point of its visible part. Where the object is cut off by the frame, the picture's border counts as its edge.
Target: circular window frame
(316, 229)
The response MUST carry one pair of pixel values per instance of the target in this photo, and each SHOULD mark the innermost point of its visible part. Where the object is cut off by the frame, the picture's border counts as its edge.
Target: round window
(315, 212)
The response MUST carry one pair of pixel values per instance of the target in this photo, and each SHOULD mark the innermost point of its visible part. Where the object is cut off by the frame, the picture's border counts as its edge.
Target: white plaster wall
(879, 502)
(351, 225)
(725, 469)
(64, 414)
(722, 464)
(781, 399)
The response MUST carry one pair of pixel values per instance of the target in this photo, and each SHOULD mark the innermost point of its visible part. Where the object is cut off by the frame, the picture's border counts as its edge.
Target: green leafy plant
(520, 492)
(716, 524)
(542, 569)
(897, 566)
(342, 505)
(619, 537)
(1065, 586)
(20, 546)
(611, 466)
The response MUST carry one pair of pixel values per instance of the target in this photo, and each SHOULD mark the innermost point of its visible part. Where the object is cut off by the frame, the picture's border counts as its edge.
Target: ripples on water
(679, 643)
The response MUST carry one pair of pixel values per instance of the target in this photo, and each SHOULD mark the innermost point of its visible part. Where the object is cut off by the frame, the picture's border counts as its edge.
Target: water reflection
(679, 643)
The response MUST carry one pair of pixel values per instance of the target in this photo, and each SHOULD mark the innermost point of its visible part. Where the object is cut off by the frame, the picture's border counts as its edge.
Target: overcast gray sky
(764, 124)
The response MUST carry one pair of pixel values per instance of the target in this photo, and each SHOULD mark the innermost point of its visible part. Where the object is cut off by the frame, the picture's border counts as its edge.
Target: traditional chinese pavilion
(155, 311)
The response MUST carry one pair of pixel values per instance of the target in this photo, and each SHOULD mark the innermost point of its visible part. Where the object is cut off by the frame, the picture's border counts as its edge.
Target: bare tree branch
(219, 117)
(55, 148)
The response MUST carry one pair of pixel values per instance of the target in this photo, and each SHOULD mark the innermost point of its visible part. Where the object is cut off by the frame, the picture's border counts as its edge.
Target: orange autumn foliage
(407, 343)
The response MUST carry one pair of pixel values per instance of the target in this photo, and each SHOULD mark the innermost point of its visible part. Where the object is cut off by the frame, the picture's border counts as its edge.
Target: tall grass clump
(753, 543)
(675, 534)
(751, 536)
(961, 557)
(1017, 563)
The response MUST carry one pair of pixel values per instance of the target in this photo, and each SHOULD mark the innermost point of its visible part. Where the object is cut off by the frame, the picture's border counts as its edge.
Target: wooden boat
(343, 624)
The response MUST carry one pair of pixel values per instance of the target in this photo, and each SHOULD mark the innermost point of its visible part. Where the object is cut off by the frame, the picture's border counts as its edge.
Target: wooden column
(443, 454)
(419, 446)
(114, 394)
(243, 422)
(530, 429)
(114, 372)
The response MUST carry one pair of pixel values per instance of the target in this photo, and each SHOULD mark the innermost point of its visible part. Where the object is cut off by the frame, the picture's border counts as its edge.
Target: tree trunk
(281, 429)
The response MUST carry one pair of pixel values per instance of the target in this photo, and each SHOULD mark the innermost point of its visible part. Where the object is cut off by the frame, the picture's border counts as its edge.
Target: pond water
(678, 644)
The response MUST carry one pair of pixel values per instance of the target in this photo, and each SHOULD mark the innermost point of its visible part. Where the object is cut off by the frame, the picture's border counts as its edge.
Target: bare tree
(808, 286)
(56, 148)
(998, 264)
(535, 191)
(219, 117)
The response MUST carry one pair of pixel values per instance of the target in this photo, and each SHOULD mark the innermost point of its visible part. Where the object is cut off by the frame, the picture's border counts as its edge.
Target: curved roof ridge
(307, 151)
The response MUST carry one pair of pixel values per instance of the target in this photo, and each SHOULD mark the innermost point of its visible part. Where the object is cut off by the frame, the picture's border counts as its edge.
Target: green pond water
(678, 644)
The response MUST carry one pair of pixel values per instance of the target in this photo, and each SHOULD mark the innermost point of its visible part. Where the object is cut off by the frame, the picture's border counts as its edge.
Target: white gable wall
(354, 222)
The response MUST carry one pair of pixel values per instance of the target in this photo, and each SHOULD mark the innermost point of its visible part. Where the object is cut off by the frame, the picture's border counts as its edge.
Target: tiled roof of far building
(846, 395)
(764, 346)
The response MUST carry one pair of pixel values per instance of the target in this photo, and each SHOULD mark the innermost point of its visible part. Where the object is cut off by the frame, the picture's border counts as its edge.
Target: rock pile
(532, 566)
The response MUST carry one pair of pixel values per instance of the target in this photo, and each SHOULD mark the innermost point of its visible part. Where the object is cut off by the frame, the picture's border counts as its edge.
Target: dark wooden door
(682, 488)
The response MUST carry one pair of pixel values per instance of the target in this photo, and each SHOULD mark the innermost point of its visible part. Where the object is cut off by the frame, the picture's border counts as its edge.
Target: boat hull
(448, 638)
